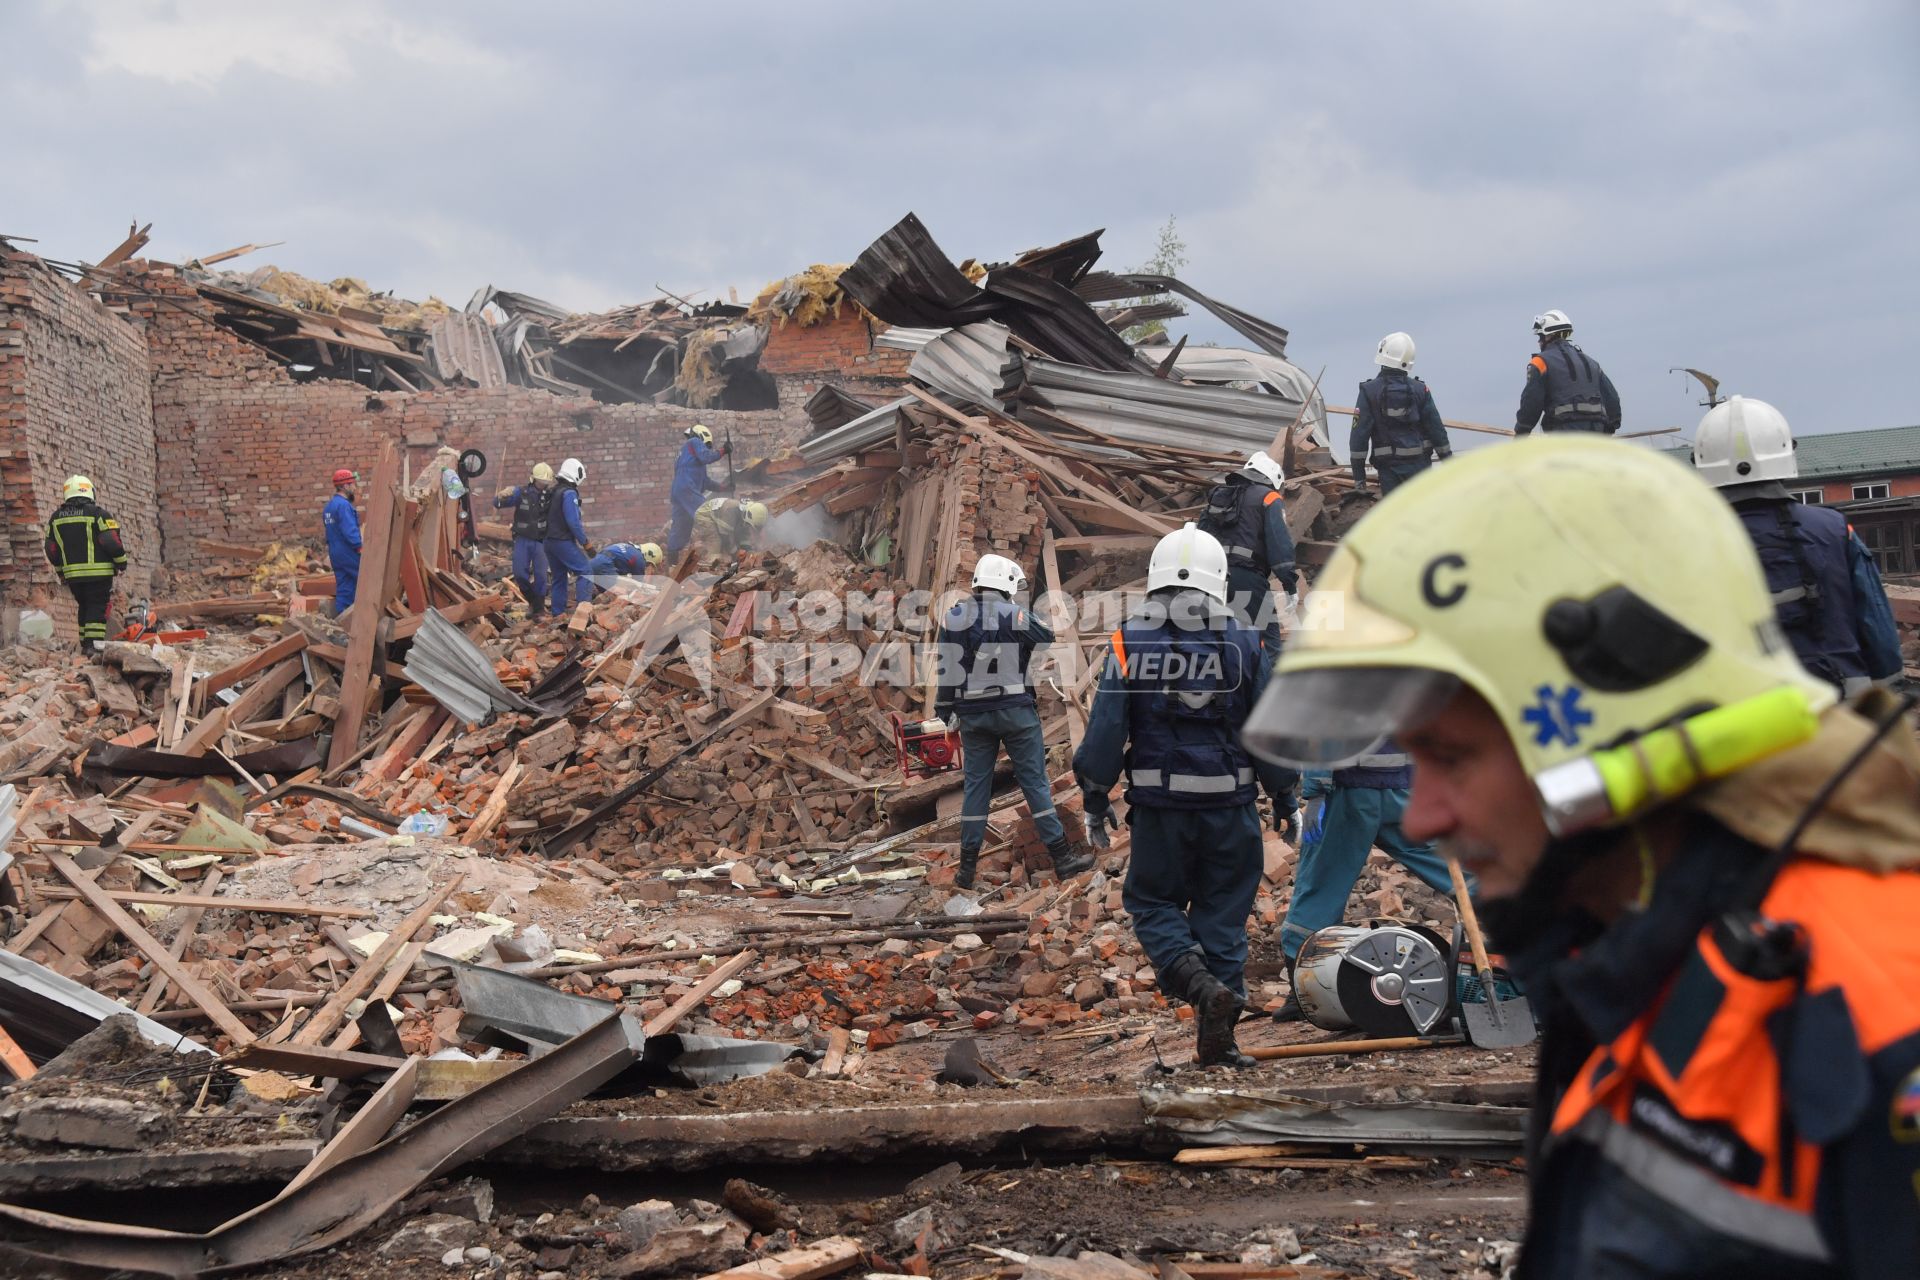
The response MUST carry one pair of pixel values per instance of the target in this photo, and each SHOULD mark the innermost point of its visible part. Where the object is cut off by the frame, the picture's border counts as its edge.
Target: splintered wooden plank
(668, 1019)
(191, 987)
(182, 935)
(370, 602)
(809, 1262)
(335, 1009)
(1068, 648)
(275, 652)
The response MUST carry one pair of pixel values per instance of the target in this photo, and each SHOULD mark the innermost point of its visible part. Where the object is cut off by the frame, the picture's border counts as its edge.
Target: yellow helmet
(700, 432)
(542, 473)
(756, 513)
(76, 487)
(652, 554)
(1590, 591)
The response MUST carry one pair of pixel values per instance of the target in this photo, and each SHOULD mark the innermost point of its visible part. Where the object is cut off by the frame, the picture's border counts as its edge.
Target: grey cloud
(1728, 185)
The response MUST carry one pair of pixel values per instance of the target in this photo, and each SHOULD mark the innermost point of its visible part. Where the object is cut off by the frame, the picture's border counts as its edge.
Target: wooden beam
(190, 986)
(280, 649)
(1069, 636)
(465, 611)
(206, 733)
(256, 697)
(809, 1262)
(1136, 519)
(268, 906)
(406, 744)
(383, 990)
(369, 605)
(668, 1019)
(334, 1010)
(182, 935)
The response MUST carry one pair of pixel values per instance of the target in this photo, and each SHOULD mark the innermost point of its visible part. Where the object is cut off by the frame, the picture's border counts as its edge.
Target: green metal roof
(1884, 451)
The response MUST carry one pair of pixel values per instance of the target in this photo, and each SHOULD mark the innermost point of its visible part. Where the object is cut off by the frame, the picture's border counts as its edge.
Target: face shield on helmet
(1552, 324)
(1590, 592)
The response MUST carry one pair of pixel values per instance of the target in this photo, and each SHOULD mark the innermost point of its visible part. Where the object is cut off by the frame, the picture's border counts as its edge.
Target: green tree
(1169, 255)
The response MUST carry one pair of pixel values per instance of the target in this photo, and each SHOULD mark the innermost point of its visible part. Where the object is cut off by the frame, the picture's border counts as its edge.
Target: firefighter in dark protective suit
(1395, 422)
(1566, 389)
(1245, 512)
(1703, 868)
(1826, 589)
(987, 642)
(84, 547)
(1181, 679)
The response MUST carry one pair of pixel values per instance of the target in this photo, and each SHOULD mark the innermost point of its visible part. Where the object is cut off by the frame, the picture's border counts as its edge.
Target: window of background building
(1888, 543)
(1811, 497)
(1869, 492)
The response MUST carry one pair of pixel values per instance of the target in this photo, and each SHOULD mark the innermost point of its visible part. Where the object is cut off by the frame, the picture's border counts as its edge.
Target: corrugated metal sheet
(1150, 410)
(1111, 286)
(862, 433)
(904, 279)
(971, 363)
(460, 345)
(460, 677)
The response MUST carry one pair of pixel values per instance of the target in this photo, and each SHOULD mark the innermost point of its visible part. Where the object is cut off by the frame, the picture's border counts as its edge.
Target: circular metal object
(472, 463)
(1387, 981)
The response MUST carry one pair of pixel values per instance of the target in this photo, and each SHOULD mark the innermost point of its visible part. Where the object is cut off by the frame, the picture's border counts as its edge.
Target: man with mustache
(1700, 864)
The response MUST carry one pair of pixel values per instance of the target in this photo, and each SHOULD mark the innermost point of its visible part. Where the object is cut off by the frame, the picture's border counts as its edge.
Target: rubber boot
(1215, 1010)
(1069, 861)
(969, 866)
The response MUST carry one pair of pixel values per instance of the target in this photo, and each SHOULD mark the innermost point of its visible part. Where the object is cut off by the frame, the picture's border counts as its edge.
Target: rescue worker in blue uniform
(690, 485)
(1348, 811)
(1182, 677)
(566, 535)
(987, 642)
(1245, 512)
(343, 540)
(1702, 866)
(616, 559)
(531, 503)
(85, 549)
(1566, 389)
(1826, 588)
(1396, 425)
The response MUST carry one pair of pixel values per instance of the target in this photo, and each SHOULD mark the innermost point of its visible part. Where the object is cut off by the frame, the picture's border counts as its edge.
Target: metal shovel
(1494, 1021)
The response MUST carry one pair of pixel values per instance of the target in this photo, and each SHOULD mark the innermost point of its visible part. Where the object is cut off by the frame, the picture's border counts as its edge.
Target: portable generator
(1392, 980)
(926, 747)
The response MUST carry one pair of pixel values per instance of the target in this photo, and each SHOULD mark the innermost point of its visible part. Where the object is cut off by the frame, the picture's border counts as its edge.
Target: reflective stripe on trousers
(1791, 594)
(1402, 451)
(1003, 692)
(1699, 1194)
(1192, 783)
(1381, 762)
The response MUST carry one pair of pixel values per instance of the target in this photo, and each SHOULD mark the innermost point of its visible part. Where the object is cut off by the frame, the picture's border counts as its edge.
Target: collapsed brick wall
(246, 452)
(999, 512)
(839, 351)
(74, 399)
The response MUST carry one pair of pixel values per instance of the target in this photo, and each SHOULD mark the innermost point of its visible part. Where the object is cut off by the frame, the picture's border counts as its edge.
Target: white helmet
(1551, 323)
(1189, 557)
(1742, 441)
(573, 471)
(1395, 352)
(999, 574)
(1262, 466)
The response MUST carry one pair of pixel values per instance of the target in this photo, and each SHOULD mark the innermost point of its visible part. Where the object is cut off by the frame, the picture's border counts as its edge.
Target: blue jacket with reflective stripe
(986, 646)
(1170, 708)
(1826, 591)
(563, 520)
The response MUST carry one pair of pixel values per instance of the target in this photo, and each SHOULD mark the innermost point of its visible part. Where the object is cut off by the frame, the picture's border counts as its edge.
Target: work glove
(1100, 817)
(726, 449)
(504, 491)
(1312, 819)
(1286, 816)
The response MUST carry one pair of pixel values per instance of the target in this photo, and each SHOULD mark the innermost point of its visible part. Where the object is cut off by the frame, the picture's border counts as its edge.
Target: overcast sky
(1730, 185)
